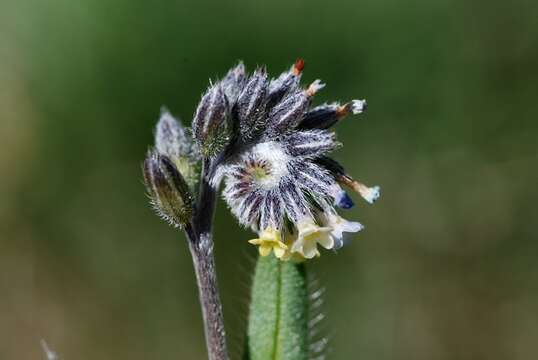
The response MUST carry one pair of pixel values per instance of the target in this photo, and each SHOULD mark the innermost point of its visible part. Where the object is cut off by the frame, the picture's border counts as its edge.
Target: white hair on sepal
(250, 108)
(287, 114)
(296, 205)
(245, 206)
(217, 175)
(310, 143)
(271, 212)
(173, 139)
(233, 82)
(315, 181)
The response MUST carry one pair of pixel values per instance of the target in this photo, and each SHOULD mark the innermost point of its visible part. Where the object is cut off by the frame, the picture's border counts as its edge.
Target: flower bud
(174, 141)
(287, 81)
(325, 116)
(169, 193)
(370, 194)
(233, 82)
(251, 104)
(209, 123)
(285, 116)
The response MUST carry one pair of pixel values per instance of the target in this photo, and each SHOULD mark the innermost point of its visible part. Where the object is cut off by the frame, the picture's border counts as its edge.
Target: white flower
(339, 226)
(310, 235)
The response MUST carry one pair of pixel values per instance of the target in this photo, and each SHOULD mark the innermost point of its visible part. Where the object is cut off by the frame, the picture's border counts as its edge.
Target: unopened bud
(286, 82)
(209, 124)
(370, 194)
(233, 82)
(174, 141)
(169, 193)
(325, 116)
(251, 104)
(285, 116)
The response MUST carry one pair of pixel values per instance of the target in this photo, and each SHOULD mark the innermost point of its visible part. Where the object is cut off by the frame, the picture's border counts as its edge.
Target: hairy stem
(206, 202)
(206, 278)
(201, 247)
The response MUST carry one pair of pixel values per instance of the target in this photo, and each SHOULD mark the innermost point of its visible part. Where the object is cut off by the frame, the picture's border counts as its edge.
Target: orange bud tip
(298, 66)
(342, 110)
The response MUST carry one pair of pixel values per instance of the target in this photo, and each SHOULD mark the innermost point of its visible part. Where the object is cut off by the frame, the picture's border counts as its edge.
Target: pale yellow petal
(255, 241)
(270, 234)
(286, 256)
(279, 252)
(264, 250)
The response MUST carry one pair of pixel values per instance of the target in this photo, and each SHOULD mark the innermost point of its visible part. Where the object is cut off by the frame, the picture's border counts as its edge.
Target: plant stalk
(199, 233)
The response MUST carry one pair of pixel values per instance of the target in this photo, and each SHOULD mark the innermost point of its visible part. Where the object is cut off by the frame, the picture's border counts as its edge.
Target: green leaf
(278, 322)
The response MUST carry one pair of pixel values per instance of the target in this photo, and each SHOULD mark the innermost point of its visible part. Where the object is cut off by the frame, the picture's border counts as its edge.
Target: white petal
(297, 246)
(371, 194)
(310, 249)
(326, 241)
(338, 242)
(351, 226)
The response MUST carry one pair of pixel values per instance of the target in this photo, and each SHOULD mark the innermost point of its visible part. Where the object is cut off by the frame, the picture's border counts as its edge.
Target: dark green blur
(447, 265)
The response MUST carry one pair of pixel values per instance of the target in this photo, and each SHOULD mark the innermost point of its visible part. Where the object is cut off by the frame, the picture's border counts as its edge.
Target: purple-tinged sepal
(250, 108)
(286, 82)
(167, 189)
(210, 124)
(234, 82)
(176, 142)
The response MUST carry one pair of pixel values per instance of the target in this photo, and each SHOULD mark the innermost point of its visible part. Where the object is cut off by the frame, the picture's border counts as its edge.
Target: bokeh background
(447, 266)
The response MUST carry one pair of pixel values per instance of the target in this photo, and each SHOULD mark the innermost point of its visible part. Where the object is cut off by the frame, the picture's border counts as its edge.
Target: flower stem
(206, 278)
(200, 237)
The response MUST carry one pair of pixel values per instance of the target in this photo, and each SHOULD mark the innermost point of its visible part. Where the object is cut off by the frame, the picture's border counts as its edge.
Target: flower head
(278, 178)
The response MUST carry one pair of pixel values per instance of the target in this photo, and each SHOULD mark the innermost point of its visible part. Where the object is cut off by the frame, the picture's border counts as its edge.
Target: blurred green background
(447, 265)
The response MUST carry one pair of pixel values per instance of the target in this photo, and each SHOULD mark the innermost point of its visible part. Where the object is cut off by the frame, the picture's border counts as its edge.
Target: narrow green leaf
(278, 328)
